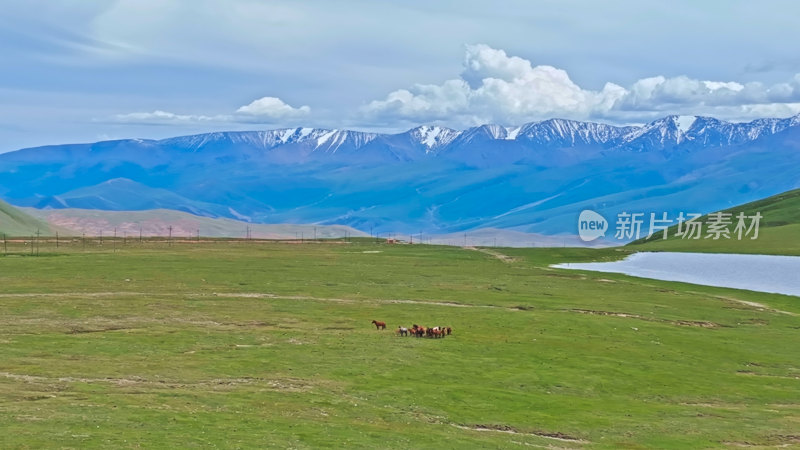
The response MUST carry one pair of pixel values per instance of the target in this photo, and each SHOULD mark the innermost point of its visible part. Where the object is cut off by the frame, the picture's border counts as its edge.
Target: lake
(764, 273)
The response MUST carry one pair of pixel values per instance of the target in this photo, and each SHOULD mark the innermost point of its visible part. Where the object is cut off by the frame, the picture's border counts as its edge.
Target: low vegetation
(14, 222)
(779, 229)
(253, 344)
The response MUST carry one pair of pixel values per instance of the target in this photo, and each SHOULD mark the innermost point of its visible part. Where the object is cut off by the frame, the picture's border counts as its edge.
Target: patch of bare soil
(453, 304)
(752, 373)
(695, 323)
(511, 430)
(275, 296)
(608, 313)
(777, 441)
(714, 405)
(95, 330)
(683, 323)
(496, 254)
(750, 304)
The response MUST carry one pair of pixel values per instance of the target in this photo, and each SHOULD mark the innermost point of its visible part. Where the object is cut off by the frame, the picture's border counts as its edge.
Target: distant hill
(779, 230)
(14, 222)
(157, 222)
(535, 178)
(497, 237)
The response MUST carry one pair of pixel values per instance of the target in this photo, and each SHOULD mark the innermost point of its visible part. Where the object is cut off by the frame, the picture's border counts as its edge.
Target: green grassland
(14, 222)
(779, 230)
(252, 345)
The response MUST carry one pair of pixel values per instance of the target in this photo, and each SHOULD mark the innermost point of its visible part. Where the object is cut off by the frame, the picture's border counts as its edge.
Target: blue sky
(80, 71)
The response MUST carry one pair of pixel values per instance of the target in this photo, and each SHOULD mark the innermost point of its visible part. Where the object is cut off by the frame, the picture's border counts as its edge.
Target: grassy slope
(160, 346)
(779, 231)
(14, 222)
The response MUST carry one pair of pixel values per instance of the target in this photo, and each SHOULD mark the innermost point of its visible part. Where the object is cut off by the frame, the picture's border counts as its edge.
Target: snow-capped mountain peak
(685, 123)
(332, 140)
(565, 133)
(512, 133)
(317, 138)
(432, 136)
(495, 131)
(667, 131)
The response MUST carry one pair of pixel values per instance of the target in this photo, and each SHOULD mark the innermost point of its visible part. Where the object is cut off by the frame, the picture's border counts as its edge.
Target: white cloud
(266, 110)
(272, 108)
(164, 117)
(495, 87)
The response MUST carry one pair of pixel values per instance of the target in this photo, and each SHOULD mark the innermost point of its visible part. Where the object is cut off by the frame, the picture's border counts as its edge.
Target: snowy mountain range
(533, 178)
(668, 132)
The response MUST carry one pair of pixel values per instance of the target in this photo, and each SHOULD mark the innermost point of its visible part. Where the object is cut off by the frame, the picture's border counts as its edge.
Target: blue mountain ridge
(533, 178)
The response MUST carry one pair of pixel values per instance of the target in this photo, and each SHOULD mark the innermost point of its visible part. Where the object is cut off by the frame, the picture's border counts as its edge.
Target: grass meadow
(235, 344)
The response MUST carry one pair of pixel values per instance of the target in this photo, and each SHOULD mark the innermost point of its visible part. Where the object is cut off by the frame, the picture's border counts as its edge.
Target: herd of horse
(417, 330)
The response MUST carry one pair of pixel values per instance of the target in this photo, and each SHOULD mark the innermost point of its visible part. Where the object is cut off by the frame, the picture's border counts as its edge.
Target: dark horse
(379, 325)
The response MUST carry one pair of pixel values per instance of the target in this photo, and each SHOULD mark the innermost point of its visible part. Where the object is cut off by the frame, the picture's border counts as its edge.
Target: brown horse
(379, 325)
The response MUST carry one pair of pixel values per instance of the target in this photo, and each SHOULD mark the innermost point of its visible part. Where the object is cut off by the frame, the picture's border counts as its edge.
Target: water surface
(764, 273)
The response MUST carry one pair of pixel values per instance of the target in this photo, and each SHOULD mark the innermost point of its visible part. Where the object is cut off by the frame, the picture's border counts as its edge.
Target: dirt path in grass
(284, 384)
(452, 304)
(81, 294)
(262, 295)
(344, 300)
(756, 305)
(495, 253)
